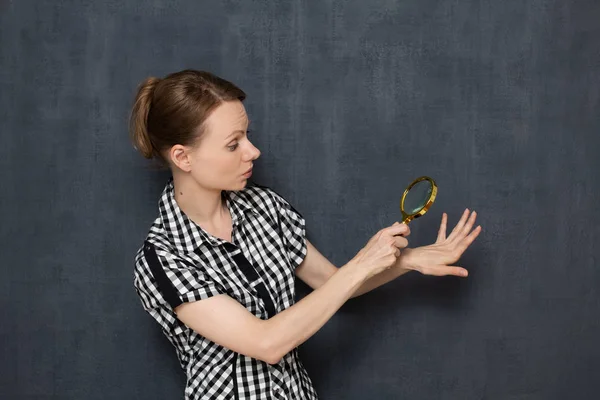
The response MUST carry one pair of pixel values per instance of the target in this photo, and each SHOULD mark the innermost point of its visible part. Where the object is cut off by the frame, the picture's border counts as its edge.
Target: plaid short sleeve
(191, 281)
(174, 280)
(293, 230)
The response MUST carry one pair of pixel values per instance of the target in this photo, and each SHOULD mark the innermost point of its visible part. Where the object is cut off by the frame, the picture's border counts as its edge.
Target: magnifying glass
(417, 198)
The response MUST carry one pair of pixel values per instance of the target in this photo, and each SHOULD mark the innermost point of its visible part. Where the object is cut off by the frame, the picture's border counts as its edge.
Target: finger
(466, 242)
(443, 270)
(459, 225)
(442, 232)
(398, 229)
(400, 242)
(467, 227)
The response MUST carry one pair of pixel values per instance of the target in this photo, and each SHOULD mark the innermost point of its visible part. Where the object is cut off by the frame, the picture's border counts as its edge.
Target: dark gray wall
(350, 100)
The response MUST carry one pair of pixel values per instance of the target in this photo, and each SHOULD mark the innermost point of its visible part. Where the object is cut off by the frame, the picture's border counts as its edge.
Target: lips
(247, 172)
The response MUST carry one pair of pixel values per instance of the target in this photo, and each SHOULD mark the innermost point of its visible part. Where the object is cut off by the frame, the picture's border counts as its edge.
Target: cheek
(219, 162)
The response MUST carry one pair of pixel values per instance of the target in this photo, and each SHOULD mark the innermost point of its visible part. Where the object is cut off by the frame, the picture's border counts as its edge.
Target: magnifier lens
(417, 197)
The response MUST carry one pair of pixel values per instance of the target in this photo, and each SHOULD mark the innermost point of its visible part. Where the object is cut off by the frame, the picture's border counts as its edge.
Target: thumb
(443, 270)
(458, 271)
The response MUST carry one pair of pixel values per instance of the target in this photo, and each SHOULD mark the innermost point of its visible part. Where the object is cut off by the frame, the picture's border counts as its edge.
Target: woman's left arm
(434, 259)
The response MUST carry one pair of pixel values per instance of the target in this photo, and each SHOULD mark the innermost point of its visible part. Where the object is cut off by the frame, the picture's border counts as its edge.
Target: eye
(233, 147)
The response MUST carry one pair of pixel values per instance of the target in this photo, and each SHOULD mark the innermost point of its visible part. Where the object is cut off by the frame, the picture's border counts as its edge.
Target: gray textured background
(350, 100)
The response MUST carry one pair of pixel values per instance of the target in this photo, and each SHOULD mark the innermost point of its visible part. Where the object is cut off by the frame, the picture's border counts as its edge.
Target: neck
(202, 205)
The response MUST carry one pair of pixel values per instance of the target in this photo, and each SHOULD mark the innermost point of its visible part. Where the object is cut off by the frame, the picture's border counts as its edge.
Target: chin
(241, 185)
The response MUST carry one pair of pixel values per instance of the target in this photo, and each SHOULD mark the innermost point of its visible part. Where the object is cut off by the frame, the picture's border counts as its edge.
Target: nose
(253, 152)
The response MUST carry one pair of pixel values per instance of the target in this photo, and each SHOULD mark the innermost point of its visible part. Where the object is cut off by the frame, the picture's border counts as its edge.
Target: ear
(181, 157)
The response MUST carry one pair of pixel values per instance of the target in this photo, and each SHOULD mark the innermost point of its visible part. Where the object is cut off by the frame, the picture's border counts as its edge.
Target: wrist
(356, 272)
(408, 259)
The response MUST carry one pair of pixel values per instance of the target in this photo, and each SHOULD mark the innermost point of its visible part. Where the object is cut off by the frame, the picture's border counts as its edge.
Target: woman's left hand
(438, 258)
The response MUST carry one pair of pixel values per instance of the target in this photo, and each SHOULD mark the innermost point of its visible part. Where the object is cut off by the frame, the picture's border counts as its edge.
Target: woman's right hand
(382, 250)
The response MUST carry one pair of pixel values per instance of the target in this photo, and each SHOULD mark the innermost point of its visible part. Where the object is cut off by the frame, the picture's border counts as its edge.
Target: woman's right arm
(226, 322)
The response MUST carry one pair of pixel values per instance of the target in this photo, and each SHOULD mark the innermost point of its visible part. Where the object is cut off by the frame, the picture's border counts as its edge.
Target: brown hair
(172, 110)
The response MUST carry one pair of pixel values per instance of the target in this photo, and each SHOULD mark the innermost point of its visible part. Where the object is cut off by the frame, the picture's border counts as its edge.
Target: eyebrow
(233, 133)
(236, 131)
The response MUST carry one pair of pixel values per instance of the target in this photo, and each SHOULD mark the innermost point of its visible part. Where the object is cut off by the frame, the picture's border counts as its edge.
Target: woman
(217, 268)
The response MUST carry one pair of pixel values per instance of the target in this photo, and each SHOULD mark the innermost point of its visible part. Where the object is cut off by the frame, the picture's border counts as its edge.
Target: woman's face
(224, 154)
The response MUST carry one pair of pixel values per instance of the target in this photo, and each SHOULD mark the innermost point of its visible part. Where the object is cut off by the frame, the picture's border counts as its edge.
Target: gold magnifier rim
(406, 218)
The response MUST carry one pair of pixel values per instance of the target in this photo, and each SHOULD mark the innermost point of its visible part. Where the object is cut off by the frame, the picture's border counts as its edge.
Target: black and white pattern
(271, 235)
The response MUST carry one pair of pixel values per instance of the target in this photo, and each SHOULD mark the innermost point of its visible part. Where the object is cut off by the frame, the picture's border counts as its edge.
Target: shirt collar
(185, 234)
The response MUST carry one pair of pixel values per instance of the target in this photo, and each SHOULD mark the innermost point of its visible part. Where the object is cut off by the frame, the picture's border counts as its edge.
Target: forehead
(227, 117)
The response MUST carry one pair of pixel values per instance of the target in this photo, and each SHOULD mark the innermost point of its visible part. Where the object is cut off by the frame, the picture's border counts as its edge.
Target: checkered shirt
(271, 235)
